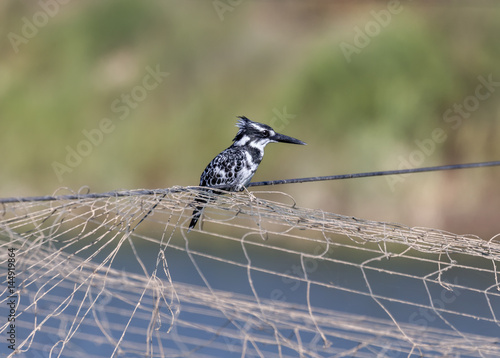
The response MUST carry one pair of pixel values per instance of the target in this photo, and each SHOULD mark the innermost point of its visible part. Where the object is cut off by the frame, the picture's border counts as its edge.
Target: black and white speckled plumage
(234, 167)
(231, 170)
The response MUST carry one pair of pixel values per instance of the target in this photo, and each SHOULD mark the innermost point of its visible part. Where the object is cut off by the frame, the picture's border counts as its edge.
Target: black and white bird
(234, 167)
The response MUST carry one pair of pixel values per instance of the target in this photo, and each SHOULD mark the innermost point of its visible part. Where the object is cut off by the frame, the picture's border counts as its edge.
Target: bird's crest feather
(242, 123)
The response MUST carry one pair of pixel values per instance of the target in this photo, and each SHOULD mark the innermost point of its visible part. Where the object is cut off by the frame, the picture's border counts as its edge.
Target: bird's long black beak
(281, 138)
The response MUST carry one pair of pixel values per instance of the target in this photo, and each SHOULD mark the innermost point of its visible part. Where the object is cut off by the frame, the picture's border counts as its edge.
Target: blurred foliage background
(365, 85)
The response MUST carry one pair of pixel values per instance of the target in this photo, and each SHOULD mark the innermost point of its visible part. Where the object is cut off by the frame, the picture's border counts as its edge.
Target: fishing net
(118, 275)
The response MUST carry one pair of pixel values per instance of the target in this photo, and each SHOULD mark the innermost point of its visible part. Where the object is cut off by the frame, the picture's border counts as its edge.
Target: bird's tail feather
(201, 201)
(196, 216)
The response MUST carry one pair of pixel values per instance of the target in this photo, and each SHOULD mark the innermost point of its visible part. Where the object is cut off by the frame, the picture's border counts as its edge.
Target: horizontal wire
(123, 193)
(373, 174)
(109, 194)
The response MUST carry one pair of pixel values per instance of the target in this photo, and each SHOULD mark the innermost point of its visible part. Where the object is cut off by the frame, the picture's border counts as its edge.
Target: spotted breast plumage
(234, 167)
(223, 170)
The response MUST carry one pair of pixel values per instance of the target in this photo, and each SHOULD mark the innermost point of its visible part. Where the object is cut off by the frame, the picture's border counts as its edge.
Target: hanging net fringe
(119, 276)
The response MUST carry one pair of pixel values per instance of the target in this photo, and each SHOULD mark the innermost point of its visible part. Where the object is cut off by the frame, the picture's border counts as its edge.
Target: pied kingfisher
(234, 167)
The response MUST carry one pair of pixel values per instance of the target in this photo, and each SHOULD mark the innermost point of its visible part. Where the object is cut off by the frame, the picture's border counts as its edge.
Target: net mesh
(118, 275)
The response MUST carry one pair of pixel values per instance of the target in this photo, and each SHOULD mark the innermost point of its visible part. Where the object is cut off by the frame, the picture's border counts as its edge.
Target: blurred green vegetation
(262, 60)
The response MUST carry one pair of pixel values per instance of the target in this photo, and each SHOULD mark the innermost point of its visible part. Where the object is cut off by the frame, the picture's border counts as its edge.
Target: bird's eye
(265, 133)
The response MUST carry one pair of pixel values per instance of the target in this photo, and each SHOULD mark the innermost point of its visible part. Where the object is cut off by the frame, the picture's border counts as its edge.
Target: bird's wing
(223, 170)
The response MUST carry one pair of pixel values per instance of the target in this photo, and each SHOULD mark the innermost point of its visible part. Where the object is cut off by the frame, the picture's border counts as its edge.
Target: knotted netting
(117, 275)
